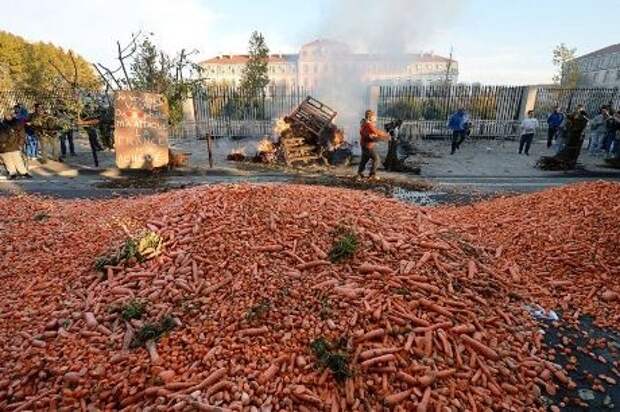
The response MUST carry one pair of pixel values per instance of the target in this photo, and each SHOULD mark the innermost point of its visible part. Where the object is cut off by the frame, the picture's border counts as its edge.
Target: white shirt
(529, 125)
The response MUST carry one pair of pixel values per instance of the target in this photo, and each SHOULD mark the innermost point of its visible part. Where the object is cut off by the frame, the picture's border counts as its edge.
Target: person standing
(66, 133)
(46, 127)
(598, 131)
(554, 122)
(528, 130)
(12, 138)
(369, 135)
(458, 123)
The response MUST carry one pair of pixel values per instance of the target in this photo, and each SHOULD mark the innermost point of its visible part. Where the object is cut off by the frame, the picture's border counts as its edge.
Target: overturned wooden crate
(310, 129)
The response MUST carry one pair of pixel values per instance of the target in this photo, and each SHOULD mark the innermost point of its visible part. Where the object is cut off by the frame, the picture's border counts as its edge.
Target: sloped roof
(614, 48)
(243, 58)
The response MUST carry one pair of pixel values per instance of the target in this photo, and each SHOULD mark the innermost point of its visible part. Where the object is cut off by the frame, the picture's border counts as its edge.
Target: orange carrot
(378, 359)
(369, 268)
(397, 398)
(480, 347)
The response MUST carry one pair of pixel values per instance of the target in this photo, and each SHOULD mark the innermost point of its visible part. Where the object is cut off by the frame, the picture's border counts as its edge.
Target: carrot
(253, 331)
(320, 254)
(370, 268)
(427, 380)
(91, 322)
(378, 359)
(372, 353)
(425, 258)
(215, 376)
(269, 248)
(471, 269)
(423, 405)
(313, 264)
(435, 307)
(510, 388)
(433, 245)
(425, 286)
(464, 328)
(405, 377)
(480, 347)
(220, 386)
(373, 334)
(397, 398)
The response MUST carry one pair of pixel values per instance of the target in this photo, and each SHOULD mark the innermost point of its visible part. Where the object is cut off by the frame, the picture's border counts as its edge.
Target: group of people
(36, 135)
(40, 135)
(562, 128)
(602, 129)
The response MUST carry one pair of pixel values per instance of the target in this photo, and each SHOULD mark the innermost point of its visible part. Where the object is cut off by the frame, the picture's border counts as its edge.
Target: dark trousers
(458, 137)
(526, 141)
(64, 138)
(553, 130)
(369, 154)
(94, 144)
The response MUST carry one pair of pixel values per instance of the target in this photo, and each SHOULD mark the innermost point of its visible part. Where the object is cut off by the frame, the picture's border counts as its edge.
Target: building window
(618, 75)
(606, 77)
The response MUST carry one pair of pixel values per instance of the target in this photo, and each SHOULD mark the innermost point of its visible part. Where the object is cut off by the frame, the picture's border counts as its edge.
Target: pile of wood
(309, 133)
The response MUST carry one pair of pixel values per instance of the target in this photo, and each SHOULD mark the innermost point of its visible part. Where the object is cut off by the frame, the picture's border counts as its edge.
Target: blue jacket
(457, 121)
(555, 120)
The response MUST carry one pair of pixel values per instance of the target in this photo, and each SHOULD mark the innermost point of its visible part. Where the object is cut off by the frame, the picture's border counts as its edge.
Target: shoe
(12, 177)
(61, 160)
(27, 176)
(73, 154)
(374, 178)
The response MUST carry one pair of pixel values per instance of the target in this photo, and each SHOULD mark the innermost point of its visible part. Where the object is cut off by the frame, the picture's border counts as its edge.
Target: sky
(494, 41)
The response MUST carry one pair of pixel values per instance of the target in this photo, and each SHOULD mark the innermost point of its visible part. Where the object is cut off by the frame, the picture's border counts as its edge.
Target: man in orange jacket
(369, 135)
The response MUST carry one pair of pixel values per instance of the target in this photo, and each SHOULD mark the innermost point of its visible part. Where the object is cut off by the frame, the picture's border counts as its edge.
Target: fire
(280, 127)
(238, 151)
(265, 146)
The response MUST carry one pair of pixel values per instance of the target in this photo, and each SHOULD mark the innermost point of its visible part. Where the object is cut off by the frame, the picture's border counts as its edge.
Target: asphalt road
(448, 189)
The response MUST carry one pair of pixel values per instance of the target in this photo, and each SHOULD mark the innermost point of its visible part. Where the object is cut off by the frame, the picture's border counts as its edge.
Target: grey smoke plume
(389, 28)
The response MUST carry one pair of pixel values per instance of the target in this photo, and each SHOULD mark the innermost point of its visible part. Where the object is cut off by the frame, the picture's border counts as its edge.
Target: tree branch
(111, 74)
(121, 59)
(106, 81)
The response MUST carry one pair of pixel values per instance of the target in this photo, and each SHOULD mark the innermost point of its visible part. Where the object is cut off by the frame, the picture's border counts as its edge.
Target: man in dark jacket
(369, 135)
(459, 124)
(554, 121)
(12, 139)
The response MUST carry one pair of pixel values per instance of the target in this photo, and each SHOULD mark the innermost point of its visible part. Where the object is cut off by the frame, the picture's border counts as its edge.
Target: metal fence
(438, 129)
(228, 111)
(437, 102)
(547, 98)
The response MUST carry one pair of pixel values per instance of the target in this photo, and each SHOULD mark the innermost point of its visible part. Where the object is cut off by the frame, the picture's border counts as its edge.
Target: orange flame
(265, 145)
(238, 150)
(280, 127)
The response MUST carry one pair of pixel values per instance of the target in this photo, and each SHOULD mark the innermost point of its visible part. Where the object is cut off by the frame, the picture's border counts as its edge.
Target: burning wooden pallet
(310, 129)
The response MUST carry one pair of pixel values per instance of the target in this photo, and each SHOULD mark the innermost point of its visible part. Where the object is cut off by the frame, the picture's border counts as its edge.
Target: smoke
(388, 26)
(388, 29)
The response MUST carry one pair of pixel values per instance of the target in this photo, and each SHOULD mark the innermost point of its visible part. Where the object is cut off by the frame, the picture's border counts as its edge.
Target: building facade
(600, 68)
(325, 59)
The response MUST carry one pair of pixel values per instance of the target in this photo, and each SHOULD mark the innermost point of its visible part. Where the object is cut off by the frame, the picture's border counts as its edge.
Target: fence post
(373, 98)
(528, 102)
(210, 150)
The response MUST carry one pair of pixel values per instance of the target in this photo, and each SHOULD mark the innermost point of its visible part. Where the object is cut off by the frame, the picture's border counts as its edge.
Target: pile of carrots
(427, 315)
(561, 247)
